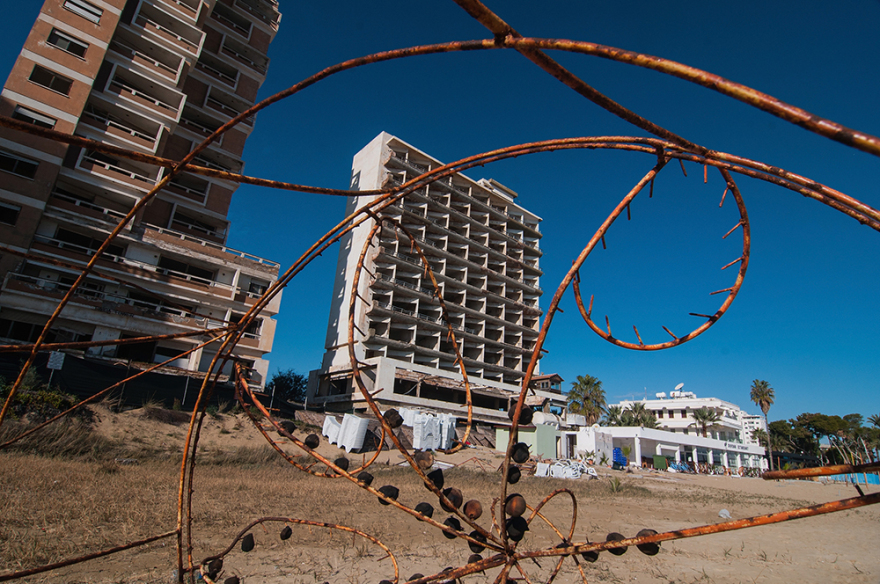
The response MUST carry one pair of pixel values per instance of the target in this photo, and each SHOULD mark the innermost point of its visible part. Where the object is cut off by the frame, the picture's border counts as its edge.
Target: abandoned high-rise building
(155, 76)
(483, 249)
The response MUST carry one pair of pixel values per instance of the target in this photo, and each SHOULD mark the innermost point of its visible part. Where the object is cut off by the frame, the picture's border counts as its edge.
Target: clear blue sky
(803, 320)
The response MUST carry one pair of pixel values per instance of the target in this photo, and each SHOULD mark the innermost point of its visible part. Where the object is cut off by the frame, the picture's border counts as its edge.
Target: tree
(704, 418)
(763, 396)
(613, 416)
(638, 415)
(874, 420)
(587, 398)
(760, 435)
(288, 385)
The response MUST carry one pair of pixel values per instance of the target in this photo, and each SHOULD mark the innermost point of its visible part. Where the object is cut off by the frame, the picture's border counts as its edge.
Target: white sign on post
(56, 360)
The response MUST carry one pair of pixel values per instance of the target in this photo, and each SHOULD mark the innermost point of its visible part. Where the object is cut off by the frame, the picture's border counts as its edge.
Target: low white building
(645, 443)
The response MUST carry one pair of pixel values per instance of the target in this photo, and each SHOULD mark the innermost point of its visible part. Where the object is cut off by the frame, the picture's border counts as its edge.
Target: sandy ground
(839, 547)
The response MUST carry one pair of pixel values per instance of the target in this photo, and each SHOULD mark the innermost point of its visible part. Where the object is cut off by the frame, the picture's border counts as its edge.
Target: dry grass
(73, 498)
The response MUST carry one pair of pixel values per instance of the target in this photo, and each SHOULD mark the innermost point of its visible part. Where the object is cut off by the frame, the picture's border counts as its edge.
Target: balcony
(246, 55)
(175, 32)
(117, 128)
(188, 7)
(210, 247)
(102, 165)
(268, 14)
(181, 186)
(168, 69)
(135, 267)
(127, 90)
(228, 18)
(101, 301)
(210, 66)
(81, 207)
(227, 110)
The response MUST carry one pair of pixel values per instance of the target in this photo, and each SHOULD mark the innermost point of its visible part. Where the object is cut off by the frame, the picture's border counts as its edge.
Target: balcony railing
(144, 22)
(223, 76)
(109, 123)
(245, 59)
(231, 112)
(53, 286)
(270, 21)
(228, 22)
(112, 216)
(117, 82)
(124, 172)
(213, 245)
(134, 263)
(197, 194)
(75, 247)
(131, 53)
(406, 284)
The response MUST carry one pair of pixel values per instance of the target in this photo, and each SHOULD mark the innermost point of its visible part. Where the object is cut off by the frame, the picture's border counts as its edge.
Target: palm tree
(759, 435)
(762, 395)
(613, 416)
(704, 418)
(586, 397)
(874, 420)
(638, 415)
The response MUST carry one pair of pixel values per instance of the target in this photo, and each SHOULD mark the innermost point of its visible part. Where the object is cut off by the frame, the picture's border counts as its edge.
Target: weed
(615, 486)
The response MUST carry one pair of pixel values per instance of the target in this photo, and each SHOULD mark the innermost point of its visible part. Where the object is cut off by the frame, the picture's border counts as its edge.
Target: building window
(30, 116)
(67, 43)
(48, 79)
(17, 165)
(684, 414)
(9, 213)
(258, 287)
(88, 11)
(659, 414)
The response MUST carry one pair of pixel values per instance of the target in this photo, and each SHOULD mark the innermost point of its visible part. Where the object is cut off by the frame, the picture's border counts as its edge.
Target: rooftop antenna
(679, 386)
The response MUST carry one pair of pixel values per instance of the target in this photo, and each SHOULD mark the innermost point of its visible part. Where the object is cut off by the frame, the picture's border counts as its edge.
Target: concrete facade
(483, 249)
(154, 76)
(645, 443)
(675, 414)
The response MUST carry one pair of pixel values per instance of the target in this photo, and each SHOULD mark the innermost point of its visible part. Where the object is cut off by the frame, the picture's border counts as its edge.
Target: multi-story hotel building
(483, 249)
(154, 76)
(675, 414)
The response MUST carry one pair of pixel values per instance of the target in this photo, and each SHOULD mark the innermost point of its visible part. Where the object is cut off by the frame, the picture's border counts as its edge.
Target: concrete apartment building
(483, 249)
(675, 414)
(155, 76)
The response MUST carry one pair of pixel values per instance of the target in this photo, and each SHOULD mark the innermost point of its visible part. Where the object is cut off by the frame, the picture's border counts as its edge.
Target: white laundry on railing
(352, 432)
(331, 429)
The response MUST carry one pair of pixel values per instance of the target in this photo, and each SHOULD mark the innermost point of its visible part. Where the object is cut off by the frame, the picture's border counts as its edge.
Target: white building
(750, 424)
(483, 249)
(675, 414)
(645, 443)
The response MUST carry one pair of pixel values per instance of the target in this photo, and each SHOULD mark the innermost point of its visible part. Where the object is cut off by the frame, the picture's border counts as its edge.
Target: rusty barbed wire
(508, 524)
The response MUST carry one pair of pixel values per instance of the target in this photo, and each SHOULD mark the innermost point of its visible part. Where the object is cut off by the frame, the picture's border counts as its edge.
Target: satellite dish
(679, 386)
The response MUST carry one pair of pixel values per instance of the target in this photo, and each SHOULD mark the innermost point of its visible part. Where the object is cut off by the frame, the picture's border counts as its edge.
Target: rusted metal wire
(84, 558)
(666, 147)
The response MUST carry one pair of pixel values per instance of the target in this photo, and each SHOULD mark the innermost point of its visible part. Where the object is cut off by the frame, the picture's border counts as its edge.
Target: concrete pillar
(678, 456)
(711, 459)
(637, 451)
(194, 359)
(695, 457)
(725, 460)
